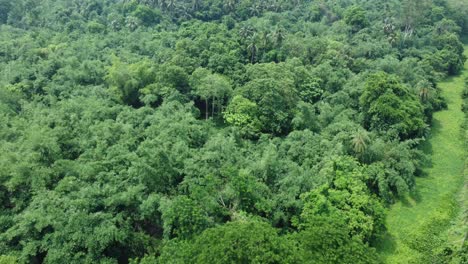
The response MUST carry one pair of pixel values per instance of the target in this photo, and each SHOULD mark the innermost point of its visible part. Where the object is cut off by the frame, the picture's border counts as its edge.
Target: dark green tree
(387, 104)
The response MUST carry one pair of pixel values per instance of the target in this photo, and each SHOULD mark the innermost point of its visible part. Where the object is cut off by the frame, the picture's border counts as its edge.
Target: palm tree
(252, 47)
(150, 3)
(170, 4)
(161, 4)
(255, 9)
(279, 36)
(230, 5)
(359, 141)
(392, 39)
(185, 12)
(389, 28)
(273, 6)
(246, 32)
(296, 3)
(264, 39)
(195, 5)
(132, 22)
(424, 89)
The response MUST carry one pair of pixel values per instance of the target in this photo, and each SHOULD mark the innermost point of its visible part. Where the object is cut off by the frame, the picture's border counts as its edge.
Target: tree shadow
(416, 195)
(405, 201)
(427, 148)
(387, 243)
(436, 126)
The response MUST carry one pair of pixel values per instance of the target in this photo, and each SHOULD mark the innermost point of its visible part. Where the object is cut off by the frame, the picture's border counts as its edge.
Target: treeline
(214, 131)
(461, 250)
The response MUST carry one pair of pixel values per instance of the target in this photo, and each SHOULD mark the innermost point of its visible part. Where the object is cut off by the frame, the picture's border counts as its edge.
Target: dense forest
(209, 131)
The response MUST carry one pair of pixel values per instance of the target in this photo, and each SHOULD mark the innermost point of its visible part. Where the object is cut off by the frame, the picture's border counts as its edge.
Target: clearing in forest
(417, 225)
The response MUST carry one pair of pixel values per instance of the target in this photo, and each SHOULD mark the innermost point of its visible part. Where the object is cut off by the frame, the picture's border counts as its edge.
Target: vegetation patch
(419, 228)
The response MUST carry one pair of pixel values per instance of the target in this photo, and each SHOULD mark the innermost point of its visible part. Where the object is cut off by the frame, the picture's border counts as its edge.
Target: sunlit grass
(417, 225)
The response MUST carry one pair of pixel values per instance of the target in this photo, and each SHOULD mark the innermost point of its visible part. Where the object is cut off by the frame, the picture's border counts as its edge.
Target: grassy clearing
(418, 225)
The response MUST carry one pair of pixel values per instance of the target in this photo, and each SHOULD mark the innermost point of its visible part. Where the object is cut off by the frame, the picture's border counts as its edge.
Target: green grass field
(418, 226)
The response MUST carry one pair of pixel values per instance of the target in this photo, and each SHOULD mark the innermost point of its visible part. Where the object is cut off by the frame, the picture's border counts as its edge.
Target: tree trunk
(213, 106)
(206, 109)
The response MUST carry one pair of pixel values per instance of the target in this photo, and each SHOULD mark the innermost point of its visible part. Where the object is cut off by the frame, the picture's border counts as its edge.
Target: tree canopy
(209, 131)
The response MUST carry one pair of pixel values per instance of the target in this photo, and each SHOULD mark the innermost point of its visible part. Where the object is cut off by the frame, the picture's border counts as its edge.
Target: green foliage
(243, 113)
(125, 80)
(244, 241)
(428, 224)
(355, 16)
(213, 131)
(147, 15)
(208, 86)
(182, 217)
(393, 167)
(449, 58)
(96, 27)
(458, 8)
(387, 105)
(346, 197)
(271, 88)
(343, 214)
(8, 260)
(5, 7)
(326, 240)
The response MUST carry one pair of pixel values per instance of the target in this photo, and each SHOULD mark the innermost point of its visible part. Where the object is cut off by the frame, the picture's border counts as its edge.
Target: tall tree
(387, 104)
